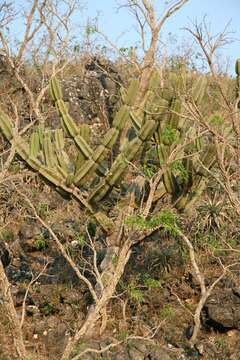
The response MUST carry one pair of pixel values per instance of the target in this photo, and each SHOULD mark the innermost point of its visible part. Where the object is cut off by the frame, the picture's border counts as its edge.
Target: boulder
(223, 309)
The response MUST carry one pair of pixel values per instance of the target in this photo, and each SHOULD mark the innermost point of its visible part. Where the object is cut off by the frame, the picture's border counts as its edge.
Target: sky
(119, 25)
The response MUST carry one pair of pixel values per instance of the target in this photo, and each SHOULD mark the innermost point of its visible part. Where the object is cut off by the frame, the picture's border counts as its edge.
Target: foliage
(48, 309)
(166, 219)
(40, 243)
(214, 212)
(220, 343)
(169, 135)
(135, 293)
(80, 239)
(6, 235)
(114, 260)
(216, 119)
(42, 209)
(151, 283)
(167, 312)
(149, 170)
(78, 348)
(15, 167)
(179, 170)
(122, 335)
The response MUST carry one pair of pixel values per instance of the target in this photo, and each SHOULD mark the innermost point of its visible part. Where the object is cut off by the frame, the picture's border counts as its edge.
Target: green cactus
(49, 151)
(237, 67)
(157, 121)
(197, 157)
(34, 144)
(131, 148)
(6, 126)
(199, 88)
(93, 159)
(45, 152)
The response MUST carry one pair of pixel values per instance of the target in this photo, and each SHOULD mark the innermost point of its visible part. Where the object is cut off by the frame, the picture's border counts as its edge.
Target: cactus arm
(169, 180)
(93, 159)
(208, 158)
(89, 166)
(72, 129)
(135, 121)
(175, 120)
(34, 144)
(62, 157)
(119, 121)
(186, 201)
(129, 151)
(6, 125)
(49, 151)
(159, 193)
(199, 89)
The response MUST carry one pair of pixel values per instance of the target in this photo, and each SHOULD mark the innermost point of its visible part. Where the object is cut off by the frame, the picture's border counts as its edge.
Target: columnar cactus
(93, 158)
(237, 68)
(45, 151)
(197, 159)
(157, 120)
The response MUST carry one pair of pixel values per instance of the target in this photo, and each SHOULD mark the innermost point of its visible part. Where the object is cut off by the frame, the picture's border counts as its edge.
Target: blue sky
(219, 13)
(119, 25)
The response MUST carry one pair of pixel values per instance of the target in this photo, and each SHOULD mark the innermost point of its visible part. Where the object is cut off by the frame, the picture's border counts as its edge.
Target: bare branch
(27, 292)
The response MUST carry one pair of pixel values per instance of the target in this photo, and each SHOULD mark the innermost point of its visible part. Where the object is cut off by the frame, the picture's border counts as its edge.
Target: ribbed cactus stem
(237, 68)
(55, 89)
(175, 114)
(132, 93)
(6, 125)
(128, 153)
(110, 138)
(93, 158)
(34, 144)
(199, 89)
(49, 151)
(106, 145)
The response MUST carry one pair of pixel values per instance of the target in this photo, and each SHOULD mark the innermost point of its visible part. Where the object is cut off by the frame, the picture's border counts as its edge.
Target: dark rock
(134, 354)
(61, 272)
(192, 353)
(223, 310)
(4, 67)
(50, 202)
(5, 256)
(56, 338)
(236, 291)
(19, 273)
(94, 95)
(29, 231)
(157, 353)
(31, 238)
(121, 355)
(19, 297)
(188, 332)
(138, 349)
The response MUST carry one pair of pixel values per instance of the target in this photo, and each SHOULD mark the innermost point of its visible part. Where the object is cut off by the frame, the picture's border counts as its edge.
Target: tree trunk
(8, 309)
(96, 310)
